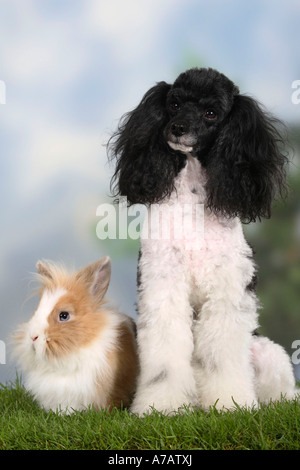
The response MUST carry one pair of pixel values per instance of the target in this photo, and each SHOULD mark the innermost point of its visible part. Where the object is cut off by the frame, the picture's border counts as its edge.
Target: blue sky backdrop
(71, 69)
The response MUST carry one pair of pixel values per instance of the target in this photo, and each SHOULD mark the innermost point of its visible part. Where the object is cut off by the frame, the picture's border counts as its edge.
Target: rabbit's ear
(97, 277)
(101, 278)
(44, 269)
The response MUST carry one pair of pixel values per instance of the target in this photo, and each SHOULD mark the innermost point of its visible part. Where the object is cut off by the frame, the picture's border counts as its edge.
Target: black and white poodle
(203, 158)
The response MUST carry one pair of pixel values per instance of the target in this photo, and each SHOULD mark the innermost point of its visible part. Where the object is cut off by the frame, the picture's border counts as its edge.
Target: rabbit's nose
(34, 338)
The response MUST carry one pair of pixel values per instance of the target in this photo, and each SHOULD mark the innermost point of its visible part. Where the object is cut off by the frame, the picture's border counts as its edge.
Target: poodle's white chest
(182, 234)
(183, 222)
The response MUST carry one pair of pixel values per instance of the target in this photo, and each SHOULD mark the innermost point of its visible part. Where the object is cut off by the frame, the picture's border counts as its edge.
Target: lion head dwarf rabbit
(76, 351)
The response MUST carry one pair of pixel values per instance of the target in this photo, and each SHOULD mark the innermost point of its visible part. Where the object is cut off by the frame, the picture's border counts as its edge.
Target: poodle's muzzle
(188, 130)
(180, 136)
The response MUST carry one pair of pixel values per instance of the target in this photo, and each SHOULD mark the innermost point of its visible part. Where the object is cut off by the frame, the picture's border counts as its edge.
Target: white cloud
(57, 150)
(54, 59)
(37, 48)
(131, 28)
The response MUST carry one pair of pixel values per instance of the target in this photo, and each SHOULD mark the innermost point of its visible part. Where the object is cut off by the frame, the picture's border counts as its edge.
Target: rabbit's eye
(63, 316)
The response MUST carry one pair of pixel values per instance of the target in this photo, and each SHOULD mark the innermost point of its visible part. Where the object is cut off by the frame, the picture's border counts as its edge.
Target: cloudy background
(71, 69)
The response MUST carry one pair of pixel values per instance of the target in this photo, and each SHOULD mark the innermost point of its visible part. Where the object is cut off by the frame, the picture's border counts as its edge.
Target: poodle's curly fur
(241, 149)
(199, 141)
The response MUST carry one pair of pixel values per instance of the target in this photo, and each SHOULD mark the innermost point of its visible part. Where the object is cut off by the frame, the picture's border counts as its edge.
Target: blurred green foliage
(276, 243)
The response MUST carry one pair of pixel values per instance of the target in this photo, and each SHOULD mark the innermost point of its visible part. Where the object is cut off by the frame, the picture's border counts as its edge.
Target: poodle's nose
(179, 128)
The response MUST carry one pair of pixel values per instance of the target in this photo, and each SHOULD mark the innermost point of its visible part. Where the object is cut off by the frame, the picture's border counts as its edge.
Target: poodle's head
(197, 104)
(237, 143)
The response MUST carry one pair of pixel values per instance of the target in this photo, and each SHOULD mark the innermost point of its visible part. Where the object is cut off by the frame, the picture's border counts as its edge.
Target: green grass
(23, 425)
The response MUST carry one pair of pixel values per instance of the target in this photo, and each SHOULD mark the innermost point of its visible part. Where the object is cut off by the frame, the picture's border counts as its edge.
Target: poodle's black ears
(246, 166)
(145, 164)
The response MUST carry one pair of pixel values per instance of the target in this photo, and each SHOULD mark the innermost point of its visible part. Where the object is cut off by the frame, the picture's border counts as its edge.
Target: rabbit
(76, 351)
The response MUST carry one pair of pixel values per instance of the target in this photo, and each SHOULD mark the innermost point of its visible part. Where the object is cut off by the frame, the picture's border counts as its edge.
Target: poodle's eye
(210, 114)
(63, 316)
(174, 105)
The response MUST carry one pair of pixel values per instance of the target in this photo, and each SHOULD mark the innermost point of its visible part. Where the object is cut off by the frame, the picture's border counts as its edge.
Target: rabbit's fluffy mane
(61, 277)
(72, 281)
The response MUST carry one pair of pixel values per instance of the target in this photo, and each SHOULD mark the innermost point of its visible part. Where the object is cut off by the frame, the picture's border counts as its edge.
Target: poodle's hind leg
(274, 375)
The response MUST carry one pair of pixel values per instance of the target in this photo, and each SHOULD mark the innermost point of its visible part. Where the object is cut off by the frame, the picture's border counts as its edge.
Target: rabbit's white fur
(76, 376)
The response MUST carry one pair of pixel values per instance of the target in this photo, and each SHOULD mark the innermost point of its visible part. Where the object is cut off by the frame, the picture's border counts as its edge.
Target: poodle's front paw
(171, 405)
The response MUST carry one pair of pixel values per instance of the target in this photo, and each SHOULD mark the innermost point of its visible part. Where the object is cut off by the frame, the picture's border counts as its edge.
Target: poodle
(200, 144)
